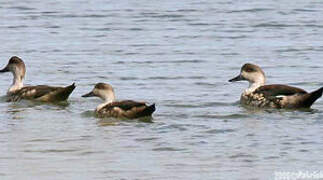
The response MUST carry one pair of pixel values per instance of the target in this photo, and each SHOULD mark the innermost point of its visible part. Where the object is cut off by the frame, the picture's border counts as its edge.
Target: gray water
(177, 54)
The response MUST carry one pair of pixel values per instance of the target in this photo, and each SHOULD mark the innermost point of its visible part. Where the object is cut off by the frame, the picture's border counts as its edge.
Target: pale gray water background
(178, 54)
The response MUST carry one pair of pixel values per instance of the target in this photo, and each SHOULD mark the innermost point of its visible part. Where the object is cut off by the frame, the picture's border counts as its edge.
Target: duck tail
(312, 97)
(148, 111)
(65, 92)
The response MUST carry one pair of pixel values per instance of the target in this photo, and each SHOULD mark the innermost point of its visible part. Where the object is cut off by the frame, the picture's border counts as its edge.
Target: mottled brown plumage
(40, 93)
(126, 109)
(279, 90)
(118, 109)
(276, 95)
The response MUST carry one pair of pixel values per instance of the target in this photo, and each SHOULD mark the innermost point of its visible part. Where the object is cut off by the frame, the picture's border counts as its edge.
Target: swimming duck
(118, 109)
(18, 91)
(274, 96)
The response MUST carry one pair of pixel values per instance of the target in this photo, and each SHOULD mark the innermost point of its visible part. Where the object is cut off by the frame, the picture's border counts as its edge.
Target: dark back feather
(278, 89)
(36, 92)
(126, 109)
(124, 105)
(31, 92)
(310, 98)
(148, 111)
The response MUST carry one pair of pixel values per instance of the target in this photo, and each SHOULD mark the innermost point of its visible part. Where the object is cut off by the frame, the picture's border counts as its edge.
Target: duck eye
(249, 70)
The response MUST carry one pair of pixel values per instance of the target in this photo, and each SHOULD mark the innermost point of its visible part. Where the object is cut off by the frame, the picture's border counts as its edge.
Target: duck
(279, 96)
(44, 93)
(127, 109)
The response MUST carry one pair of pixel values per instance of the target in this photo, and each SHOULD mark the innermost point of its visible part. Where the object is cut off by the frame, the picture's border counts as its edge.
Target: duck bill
(238, 78)
(90, 94)
(6, 69)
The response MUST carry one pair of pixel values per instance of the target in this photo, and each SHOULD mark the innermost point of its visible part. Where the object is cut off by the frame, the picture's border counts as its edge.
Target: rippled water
(178, 54)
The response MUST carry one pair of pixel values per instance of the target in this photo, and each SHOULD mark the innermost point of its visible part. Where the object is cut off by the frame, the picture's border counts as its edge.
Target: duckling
(274, 96)
(118, 109)
(18, 91)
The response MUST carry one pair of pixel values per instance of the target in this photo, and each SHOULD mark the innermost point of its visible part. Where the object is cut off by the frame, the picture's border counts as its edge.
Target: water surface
(178, 54)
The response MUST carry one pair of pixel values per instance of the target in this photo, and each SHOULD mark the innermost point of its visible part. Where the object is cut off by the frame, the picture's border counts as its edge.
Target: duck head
(251, 73)
(17, 67)
(103, 91)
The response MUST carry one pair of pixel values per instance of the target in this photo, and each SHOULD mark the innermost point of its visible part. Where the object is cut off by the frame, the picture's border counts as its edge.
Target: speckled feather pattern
(123, 109)
(294, 99)
(42, 93)
(259, 100)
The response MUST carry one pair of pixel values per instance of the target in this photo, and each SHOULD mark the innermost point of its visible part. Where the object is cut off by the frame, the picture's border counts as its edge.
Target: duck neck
(17, 83)
(255, 84)
(110, 98)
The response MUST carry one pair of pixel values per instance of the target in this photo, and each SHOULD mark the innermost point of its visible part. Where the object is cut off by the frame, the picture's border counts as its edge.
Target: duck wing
(43, 93)
(279, 90)
(128, 109)
(125, 105)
